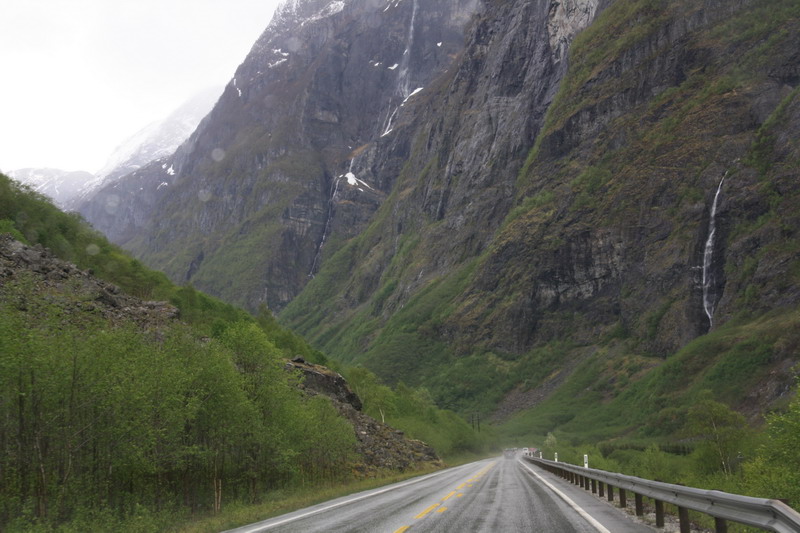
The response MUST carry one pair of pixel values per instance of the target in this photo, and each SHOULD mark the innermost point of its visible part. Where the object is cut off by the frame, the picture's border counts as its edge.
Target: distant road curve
(493, 495)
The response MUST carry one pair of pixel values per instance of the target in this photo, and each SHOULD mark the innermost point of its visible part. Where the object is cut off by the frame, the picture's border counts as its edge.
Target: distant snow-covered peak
(59, 185)
(160, 138)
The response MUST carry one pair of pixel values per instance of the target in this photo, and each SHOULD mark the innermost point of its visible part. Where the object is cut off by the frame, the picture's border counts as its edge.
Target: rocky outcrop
(46, 278)
(323, 380)
(381, 447)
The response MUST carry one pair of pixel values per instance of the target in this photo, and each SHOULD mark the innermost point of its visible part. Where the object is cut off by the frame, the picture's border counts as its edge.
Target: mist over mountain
(59, 185)
(70, 189)
(154, 141)
(161, 138)
(493, 198)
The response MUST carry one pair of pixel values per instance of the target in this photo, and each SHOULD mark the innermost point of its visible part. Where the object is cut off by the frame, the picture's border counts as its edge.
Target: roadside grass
(237, 514)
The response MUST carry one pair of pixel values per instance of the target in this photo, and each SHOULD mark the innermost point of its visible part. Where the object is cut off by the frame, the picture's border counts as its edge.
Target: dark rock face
(325, 381)
(263, 180)
(538, 205)
(468, 138)
(119, 209)
(634, 253)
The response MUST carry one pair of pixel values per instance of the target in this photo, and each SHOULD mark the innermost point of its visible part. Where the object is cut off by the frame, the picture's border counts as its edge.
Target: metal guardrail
(771, 515)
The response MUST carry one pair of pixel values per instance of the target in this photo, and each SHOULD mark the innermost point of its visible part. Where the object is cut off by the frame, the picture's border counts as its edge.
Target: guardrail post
(639, 504)
(721, 525)
(683, 515)
(587, 484)
(601, 487)
(611, 493)
(594, 487)
(623, 498)
(659, 513)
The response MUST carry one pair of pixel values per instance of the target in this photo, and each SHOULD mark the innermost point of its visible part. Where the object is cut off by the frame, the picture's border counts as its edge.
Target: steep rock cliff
(245, 209)
(646, 196)
(469, 138)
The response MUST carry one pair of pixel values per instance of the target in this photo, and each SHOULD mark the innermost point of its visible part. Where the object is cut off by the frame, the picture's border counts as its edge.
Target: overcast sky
(80, 76)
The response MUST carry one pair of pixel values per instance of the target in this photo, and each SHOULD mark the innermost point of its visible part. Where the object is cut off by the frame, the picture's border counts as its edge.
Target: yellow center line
(402, 529)
(426, 511)
(441, 508)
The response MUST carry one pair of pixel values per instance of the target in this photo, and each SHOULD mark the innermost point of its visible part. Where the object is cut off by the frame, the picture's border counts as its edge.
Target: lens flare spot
(217, 154)
(112, 203)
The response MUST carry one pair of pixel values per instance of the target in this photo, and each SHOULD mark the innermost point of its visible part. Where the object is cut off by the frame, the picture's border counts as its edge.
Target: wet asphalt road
(494, 495)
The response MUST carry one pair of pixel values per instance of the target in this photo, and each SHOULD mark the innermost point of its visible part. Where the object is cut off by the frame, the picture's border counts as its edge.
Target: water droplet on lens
(112, 203)
(217, 154)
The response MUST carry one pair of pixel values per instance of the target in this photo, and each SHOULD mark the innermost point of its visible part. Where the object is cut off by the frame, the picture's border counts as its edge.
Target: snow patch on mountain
(303, 12)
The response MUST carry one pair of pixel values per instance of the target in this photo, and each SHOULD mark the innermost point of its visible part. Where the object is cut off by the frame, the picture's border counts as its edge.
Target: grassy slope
(33, 219)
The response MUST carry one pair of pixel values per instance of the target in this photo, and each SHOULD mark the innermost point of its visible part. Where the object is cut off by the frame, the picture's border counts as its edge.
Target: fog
(80, 76)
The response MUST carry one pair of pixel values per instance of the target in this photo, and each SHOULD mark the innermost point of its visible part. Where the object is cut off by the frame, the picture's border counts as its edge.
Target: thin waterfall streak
(326, 228)
(403, 87)
(708, 256)
(388, 128)
(404, 81)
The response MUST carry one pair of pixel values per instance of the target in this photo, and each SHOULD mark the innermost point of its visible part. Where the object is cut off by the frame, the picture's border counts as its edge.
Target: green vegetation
(33, 219)
(99, 418)
(414, 412)
(720, 451)
(674, 421)
(105, 425)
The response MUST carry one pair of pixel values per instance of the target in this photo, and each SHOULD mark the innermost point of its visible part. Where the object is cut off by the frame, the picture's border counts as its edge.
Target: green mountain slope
(118, 413)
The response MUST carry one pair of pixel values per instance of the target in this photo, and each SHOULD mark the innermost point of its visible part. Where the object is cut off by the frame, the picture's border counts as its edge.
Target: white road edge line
(260, 526)
(589, 518)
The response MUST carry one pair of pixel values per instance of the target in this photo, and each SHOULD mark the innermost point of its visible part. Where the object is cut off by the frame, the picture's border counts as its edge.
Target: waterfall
(327, 224)
(387, 127)
(708, 256)
(403, 87)
(403, 78)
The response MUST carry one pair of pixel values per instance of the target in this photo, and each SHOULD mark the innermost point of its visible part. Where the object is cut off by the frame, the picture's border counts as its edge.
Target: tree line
(100, 416)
